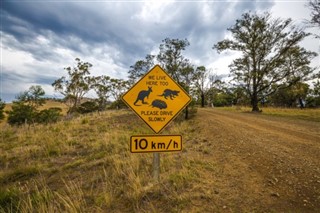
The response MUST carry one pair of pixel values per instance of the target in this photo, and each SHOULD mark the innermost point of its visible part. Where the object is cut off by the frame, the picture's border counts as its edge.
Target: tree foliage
(290, 96)
(87, 107)
(171, 58)
(21, 114)
(50, 115)
(76, 85)
(314, 5)
(33, 97)
(118, 88)
(313, 99)
(2, 106)
(176, 64)
(220, 93)
(102, 87)
(199, 79)
(270, 55)
(140, 68)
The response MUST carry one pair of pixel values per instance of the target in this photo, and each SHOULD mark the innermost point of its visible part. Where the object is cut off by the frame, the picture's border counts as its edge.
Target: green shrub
(119, 104)
(50, 115)
(88, 107)
(21, 114)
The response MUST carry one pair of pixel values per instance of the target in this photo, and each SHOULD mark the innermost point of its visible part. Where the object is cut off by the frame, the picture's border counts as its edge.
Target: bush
(21, 114)
(222, 99)
(119, 104)
(50, 115)
(88, 107)
(27, 114)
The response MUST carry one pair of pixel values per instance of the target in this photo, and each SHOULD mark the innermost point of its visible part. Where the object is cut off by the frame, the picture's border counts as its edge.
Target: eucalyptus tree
(200, 81)
(102, 87)
(117, 88)
(33, 96)
(175, 63)
(271, 55)
(140, 68)
(76, 85)
(215, 86)
(314, 6)
(171, 58)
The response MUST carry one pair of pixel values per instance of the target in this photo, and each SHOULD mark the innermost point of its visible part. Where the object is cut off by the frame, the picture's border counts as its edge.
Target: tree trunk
(186, 113)
(254, 103)
(301, 102)
(202, 99)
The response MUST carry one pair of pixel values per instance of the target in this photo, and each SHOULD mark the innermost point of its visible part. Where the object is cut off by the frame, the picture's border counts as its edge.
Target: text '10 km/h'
(155, 143)
(143, 144)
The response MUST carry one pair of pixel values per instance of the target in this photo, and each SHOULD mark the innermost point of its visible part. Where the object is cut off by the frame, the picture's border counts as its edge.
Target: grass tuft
(9, 200)
(19, 174)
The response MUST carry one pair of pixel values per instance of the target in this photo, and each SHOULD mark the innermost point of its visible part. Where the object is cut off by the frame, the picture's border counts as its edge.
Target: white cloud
(155, 11)
(300, 14)
(220, 65)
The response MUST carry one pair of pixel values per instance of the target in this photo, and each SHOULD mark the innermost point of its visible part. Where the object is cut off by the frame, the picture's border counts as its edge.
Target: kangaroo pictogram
(170, 93)
(142, 95)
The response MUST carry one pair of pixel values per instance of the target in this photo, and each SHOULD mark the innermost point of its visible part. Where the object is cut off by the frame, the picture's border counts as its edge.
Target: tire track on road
(285, 135)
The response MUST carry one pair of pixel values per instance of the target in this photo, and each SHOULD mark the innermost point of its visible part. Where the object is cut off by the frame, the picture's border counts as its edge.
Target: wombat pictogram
(159, 104)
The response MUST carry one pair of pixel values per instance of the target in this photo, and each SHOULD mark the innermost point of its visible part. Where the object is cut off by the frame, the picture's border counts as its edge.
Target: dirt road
(261, 163)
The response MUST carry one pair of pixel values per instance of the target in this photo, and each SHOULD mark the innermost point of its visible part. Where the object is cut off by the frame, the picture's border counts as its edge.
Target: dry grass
(84, 165)
(52, 104)
(294, 113)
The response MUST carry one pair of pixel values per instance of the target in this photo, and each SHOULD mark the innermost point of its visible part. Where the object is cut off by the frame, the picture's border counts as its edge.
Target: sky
(39, 38)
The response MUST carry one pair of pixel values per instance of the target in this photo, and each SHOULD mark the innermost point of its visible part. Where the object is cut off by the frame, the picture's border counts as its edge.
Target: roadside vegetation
(84, 165)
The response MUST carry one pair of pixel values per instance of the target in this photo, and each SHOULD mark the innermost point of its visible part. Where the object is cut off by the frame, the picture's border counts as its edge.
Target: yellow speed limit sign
(155, 143)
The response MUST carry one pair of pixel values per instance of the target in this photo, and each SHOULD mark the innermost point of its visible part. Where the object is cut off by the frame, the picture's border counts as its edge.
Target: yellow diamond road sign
(156, 98)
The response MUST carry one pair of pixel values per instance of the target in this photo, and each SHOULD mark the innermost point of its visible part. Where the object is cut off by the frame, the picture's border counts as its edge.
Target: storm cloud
(40, 38)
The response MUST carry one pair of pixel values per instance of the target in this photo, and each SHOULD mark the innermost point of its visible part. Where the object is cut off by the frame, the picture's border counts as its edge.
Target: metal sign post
(156, 167)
